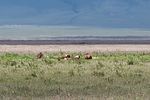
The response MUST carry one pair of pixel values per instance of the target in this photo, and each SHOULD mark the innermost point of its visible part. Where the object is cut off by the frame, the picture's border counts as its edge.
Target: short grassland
(107, 76)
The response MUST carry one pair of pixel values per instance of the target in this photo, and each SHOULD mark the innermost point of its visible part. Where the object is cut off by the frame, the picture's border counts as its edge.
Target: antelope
(77, 57)
(88, 56)
(40, 55)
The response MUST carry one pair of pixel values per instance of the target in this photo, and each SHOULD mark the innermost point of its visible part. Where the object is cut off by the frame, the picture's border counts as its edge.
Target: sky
(100, 13)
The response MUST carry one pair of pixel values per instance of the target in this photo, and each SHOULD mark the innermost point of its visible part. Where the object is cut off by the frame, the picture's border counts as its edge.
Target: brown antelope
(65, 57)
(87, 56)
(40, 55)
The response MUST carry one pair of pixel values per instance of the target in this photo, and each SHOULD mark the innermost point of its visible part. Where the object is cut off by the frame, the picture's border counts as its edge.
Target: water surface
(29, 32)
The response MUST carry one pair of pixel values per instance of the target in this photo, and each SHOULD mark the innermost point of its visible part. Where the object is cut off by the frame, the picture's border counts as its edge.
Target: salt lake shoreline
(74, 48)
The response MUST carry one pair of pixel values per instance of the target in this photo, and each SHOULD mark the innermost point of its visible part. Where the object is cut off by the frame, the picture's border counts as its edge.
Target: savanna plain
(107, 76)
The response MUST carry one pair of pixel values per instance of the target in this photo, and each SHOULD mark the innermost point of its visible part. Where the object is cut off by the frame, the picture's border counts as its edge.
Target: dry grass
(107, 76)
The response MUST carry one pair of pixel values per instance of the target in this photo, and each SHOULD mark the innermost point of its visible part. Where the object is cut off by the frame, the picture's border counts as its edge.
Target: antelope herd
(87, 56)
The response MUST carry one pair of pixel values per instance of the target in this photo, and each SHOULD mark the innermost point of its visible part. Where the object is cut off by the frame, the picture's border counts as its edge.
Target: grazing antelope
(77, 57)
(40, 55)
(88, 56)
(65, 57)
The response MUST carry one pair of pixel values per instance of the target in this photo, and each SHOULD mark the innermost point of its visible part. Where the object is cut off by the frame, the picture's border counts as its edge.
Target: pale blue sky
(101, 13)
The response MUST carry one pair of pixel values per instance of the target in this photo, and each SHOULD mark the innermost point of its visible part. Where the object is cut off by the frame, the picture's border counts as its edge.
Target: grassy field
(110, 76)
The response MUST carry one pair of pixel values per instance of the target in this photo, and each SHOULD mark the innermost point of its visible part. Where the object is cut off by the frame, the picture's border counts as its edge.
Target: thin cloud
(108, 13)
